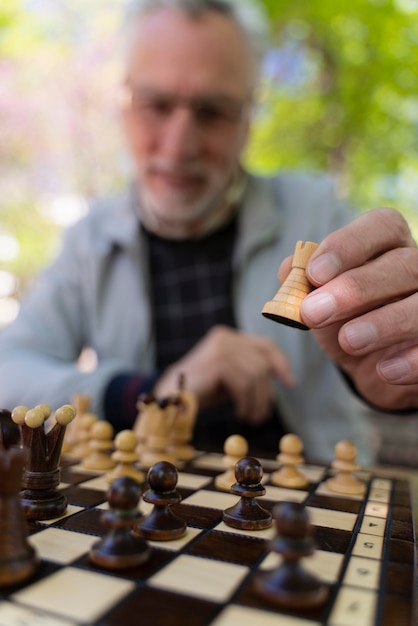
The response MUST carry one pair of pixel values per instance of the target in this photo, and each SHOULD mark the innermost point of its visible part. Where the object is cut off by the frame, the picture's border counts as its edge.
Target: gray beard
(205, 216)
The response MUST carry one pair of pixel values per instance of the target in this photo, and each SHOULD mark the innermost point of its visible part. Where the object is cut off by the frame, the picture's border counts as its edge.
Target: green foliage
(356, 110)
(38, 239)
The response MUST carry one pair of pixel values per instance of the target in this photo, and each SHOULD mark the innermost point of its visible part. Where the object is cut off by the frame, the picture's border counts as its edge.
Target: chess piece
(80, 447)
(146, 406)
(285, 306)
(40, 497)
(101, 442)
(18, 559)
(81, 404)
(247, 514)
(290, 456)
(344, 481)
(125, 458)
(161, 524)
(184, 421)
(120, 549)
(235, 448)
(290, 586)
(158, 430)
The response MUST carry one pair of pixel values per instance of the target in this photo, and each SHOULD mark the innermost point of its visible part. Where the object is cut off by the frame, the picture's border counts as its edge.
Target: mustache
(166, 166)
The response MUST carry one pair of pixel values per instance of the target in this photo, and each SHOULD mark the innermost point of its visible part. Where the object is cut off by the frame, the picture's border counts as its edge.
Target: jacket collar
(259, 219)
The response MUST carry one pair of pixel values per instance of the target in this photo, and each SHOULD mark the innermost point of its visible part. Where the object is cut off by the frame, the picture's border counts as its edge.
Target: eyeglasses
(207, 111)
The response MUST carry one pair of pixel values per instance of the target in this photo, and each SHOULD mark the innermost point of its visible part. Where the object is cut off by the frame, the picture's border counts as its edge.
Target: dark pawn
(120, 549)
(290, 586)
(161, 524)
(247, 514)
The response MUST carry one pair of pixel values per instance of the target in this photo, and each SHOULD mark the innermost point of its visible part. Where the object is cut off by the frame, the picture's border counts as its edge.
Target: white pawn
(290, 457)
(125, 458)
(82, 406)
(345, 463)
(100, 444)
(235, 448)
(80, 446)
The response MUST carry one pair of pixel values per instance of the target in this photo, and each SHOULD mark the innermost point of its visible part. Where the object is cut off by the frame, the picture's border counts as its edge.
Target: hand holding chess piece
(290, 586)
(285, 306)
(18, 559)
(40, 498)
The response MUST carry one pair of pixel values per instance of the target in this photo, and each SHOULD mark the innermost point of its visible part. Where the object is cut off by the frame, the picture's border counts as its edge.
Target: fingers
(247, 368)
(401, 367)
(228, 363)
(249, 387)
(367, 277)
(383, 280)
(370, 235)
(376, 330)
(277, 362)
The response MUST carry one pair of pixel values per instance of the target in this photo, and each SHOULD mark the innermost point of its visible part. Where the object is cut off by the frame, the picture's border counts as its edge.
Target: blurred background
(339, 93)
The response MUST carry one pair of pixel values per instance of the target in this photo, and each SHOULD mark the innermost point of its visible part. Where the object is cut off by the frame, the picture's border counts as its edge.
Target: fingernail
(395, 369)
(318, 307)
(324, 267)
(360, 334)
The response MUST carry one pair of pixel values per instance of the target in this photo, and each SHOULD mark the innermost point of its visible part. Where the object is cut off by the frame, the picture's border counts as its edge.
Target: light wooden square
(381, 483)
(15, 615)
(373, 525)
(354, 607)
(61, 546)
(192, 481)
(79, 467)
(314, 473)
(379, 495)
(210, 461)
(377, 509)
(212, 499)
(370, 546)
(98, 482)
(325, 565)
(266, 533)
(284, 494)
(330, 518)
(177, 544)
(96, 593)
(202, 578)
(246, 616)
(70, 510)
(362, 572)
(324, 490)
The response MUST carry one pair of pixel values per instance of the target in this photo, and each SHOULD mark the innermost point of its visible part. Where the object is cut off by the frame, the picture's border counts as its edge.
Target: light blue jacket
(96, 294)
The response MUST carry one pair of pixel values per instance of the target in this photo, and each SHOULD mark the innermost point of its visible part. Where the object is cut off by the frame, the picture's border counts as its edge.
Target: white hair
(248, 15)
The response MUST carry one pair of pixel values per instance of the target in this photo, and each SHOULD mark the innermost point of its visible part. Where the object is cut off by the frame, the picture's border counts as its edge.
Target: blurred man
(170, 277)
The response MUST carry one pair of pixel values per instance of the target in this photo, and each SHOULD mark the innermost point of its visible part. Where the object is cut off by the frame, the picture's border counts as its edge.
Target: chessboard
(365, 553)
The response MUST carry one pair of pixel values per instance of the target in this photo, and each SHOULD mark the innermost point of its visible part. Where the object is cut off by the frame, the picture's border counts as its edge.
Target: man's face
(186, 118)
